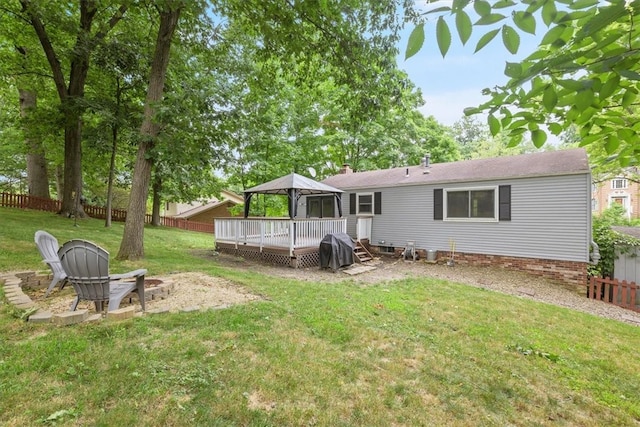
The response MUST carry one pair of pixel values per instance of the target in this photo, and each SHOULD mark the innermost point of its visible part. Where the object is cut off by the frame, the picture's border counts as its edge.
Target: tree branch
(117, 16)
(54, 63)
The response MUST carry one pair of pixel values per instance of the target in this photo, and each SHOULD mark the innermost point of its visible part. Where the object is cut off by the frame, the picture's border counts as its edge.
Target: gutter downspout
(594, 257)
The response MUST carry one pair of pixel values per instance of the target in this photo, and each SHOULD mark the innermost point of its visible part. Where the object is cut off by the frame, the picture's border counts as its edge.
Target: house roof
(561, 162)
(293, 181)
(199, 209)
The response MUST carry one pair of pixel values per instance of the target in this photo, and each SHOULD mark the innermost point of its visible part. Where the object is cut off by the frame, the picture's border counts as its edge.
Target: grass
(412, 352)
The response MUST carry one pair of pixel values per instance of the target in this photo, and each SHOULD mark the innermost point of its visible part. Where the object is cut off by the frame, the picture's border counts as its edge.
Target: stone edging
(12, 285)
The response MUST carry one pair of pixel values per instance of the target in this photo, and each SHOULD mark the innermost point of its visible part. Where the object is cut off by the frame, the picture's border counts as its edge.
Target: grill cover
(336, 250)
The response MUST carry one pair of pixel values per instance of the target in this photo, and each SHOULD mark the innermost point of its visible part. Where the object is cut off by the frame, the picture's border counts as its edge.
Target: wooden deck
(293, 243)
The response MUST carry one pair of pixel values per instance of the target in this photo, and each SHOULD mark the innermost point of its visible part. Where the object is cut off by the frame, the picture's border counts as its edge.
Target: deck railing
(277, 232)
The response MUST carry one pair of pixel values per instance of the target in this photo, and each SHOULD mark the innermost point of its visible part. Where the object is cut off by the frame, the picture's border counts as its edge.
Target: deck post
(292, 237)
(261, 235)
(237, 232)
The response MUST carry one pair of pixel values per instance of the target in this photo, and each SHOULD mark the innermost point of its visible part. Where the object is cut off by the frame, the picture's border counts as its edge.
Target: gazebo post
(247, 201)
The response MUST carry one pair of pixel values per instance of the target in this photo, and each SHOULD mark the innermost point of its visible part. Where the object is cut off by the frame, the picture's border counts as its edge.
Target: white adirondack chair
(48, 248)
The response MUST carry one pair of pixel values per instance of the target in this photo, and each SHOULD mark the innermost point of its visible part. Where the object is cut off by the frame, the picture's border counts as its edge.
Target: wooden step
(361, 253)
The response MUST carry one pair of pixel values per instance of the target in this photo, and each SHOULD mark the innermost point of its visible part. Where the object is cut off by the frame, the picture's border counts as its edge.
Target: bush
(608, 240)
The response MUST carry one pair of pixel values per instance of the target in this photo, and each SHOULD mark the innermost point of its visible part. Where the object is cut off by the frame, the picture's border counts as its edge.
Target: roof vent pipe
(427, 158)
(407, 172)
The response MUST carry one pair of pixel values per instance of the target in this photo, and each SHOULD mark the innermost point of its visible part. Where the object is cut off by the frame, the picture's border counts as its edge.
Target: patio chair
(87, 267)
(48, 248)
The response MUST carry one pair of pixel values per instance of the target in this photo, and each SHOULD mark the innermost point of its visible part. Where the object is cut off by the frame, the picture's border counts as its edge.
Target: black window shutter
(377, 203)
(504, 203)
(352, 203)
(437, 203)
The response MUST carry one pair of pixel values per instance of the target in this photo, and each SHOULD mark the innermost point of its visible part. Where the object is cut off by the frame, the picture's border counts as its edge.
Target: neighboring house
(620, 190)
(205, 211)
(530, 212)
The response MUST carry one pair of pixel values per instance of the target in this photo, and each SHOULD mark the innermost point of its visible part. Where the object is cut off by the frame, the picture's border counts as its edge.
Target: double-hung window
(365, 204)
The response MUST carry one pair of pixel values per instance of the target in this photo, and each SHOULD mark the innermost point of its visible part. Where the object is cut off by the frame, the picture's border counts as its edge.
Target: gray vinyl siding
(550, 219)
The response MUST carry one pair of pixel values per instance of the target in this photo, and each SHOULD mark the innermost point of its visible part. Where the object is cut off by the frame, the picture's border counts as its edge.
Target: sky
(455, 82)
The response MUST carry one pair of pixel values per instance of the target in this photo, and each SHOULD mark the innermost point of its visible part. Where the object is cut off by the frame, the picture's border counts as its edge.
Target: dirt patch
(185, 291)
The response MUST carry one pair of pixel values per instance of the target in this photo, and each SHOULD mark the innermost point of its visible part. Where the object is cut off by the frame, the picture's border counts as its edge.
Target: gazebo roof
(292, 181)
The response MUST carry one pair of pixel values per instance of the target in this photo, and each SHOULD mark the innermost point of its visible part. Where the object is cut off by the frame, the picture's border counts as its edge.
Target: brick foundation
(570, 272)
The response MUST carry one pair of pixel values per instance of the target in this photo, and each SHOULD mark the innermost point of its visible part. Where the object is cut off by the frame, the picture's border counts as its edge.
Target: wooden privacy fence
(23, 201)
(620, 293)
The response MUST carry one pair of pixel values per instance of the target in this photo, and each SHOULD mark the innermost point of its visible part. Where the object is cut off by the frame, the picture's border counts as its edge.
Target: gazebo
(290, 241)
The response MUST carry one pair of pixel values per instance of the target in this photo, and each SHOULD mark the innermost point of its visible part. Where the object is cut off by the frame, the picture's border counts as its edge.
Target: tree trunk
(155, 210)
(72, 182)
(132, 245)
(114, 147)
(59, 181)
(37, 175)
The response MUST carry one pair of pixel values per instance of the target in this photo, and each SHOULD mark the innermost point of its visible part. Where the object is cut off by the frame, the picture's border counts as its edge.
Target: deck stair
(361, 253)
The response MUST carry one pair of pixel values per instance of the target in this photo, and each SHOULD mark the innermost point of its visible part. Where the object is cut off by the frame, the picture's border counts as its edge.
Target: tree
(71, 92)
(132, 245)
(585, 72)
(469, 133)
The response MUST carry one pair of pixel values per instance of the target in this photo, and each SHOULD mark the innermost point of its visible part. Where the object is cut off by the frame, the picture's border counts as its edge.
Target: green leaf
(510, 39)
(513, 70)
(549, 12)
(584, 99)
(538, 137)
(573, 85)
(628, 97)
(485, 39)
(503, 3)
(490, 19)
(553, 35)
(438, 10)
(555, 128)
(494, 125)
(582, 4)
(416, 40)
(464, 26)
(525, 21)
(482, 7)
(470, 111)
(611, 143)
(443, 35)
(626, 134)
(458, 5)
(609, 87)
(629, 74)
(549, 98)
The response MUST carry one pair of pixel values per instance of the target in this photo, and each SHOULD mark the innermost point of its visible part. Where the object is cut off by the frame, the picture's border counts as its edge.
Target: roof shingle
(549, 163)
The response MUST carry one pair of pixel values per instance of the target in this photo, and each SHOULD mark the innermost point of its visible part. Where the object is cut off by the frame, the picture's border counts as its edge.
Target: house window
(364, 204)
(471, 204)
(619, 183)
(320, 207)
(475, 204)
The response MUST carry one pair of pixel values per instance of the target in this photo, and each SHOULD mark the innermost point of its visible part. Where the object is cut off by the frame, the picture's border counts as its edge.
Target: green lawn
(413, 352)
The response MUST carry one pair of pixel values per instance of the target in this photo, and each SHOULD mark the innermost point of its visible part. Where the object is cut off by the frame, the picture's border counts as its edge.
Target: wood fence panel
(623, 294)
(24, 201)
